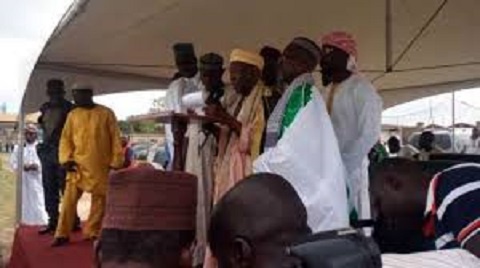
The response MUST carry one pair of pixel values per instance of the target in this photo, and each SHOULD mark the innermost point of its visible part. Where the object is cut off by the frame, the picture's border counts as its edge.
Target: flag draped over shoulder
(307, 155)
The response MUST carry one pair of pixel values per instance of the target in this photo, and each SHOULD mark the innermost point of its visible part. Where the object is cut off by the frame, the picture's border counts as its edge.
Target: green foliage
(125, 126)
(143, 127)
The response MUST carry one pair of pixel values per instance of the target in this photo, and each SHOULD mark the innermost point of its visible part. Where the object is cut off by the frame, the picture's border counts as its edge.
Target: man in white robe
(33, 202)
(300, 143)
(355, 109)
(188, 81)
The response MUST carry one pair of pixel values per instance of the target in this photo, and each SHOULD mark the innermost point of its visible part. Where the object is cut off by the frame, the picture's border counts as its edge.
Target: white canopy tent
(409, 48)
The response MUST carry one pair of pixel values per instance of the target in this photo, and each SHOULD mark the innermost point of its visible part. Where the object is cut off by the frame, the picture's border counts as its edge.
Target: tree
(144, 127)
(158, 105)
(125, 126)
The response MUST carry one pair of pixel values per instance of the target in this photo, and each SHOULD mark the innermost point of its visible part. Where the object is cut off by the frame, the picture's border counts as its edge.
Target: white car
(444, 140)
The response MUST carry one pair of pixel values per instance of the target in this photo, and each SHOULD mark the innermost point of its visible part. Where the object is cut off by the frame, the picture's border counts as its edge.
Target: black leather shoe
(47, 230)
(60, 242)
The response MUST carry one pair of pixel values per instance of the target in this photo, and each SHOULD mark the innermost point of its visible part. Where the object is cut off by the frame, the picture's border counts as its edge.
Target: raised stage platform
(31, 250)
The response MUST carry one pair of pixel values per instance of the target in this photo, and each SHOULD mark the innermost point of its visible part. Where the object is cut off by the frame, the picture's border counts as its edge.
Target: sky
(437, 109)
(123, 105)
(25, 26)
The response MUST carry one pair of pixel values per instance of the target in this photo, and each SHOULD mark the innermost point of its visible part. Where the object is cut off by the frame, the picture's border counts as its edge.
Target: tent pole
(21, 140)
(453, 122)
(388, 37)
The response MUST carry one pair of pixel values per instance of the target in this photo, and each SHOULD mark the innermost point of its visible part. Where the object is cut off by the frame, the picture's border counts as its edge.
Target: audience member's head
(185, 60)
(245, 70)
(393, 145)
(300, 56)
(55, 90)
(271, 56)
(426, 140)
(475, 133)
(83, 95)
(255, 221)
(398, 194)
(149, 219)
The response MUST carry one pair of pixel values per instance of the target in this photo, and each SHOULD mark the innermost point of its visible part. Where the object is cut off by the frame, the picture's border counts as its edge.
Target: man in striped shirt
(445, 208)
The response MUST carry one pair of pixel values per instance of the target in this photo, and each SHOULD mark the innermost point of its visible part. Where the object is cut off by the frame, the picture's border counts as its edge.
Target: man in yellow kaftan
(90, 147)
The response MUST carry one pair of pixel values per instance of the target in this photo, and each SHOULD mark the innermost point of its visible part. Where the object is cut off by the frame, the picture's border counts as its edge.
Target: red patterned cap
(144, 198)
(341, 40)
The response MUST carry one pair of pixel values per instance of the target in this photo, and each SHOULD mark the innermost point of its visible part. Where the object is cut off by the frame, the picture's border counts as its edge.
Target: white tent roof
(123, 45)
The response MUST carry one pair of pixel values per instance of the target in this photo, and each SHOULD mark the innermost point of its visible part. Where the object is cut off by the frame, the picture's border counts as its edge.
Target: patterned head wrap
(341, 40)
(345, 42)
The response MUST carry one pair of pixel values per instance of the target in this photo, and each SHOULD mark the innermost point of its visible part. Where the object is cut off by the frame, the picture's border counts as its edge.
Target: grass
(7, 208)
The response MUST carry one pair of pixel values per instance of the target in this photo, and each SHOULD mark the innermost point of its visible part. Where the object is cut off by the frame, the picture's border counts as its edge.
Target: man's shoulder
(462, 175)
(363, 88)
(101, 109)
(104, 109)
(175, 83)
(67, 104)
(358, 80)
(44, 107)
(467, 172)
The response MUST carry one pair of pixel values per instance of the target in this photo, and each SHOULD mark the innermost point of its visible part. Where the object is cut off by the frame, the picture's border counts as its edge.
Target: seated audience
(474, 142)
(255, 221)
(427, 146)
(397, 150)
(149, 220)
(418, 208)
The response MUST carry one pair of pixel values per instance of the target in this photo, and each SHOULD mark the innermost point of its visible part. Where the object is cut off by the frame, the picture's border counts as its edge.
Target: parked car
(158, 154)
(140, 150)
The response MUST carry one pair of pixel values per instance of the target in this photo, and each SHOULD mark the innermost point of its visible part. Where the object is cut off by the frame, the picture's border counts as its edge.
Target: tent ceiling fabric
(122, 45)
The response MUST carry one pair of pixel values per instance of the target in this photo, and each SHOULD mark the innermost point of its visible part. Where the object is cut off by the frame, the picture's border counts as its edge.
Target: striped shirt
(452, 258)
(453, 210)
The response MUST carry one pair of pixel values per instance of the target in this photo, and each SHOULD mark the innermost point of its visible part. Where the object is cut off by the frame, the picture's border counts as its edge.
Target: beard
(326, 77)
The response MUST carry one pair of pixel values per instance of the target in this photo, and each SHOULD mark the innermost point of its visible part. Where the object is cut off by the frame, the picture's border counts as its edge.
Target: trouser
(53, 179)
(68, 210)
